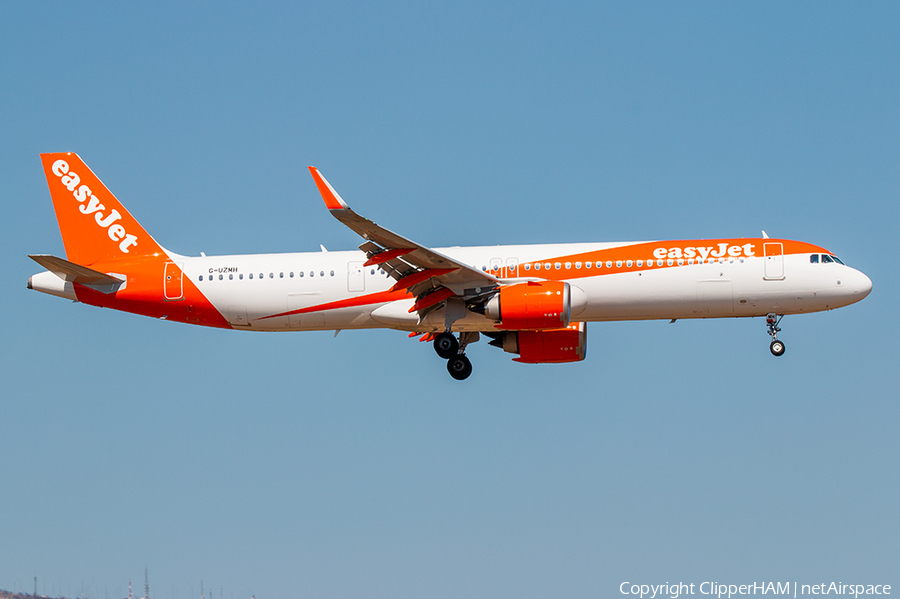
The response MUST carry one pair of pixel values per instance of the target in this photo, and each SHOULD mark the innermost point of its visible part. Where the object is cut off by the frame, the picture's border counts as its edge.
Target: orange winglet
(387, 255)
(332, 200)
(431, 299)
(417, 277)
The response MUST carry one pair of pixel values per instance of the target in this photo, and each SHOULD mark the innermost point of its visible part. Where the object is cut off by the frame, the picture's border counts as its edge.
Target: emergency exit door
(356, 277)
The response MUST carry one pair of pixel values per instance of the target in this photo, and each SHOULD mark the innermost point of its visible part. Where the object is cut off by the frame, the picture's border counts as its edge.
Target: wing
(430, 276)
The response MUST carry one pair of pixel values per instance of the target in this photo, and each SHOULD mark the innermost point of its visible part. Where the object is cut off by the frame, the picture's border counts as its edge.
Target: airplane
(533, 301)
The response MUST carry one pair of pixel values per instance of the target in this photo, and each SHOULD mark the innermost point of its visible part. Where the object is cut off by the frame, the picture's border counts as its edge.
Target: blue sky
(301, 465)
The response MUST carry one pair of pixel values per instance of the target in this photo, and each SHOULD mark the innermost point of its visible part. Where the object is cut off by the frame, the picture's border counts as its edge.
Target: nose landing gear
(449, 348)
(772, 320)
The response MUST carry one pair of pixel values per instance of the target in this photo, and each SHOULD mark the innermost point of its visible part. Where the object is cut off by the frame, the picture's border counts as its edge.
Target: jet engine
(531, 306)
(540, 347)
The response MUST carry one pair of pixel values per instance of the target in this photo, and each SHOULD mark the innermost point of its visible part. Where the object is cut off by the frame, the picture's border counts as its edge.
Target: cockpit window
(826, 258)
(836, 259)
(814, 258)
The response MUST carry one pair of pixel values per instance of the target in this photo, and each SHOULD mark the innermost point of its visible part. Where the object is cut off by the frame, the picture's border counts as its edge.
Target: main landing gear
(449, 348)
(459, 367)
(772, 320)
(446, 345)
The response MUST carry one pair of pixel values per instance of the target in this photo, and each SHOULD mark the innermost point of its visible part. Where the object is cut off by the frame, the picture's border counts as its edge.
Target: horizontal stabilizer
(74, 273)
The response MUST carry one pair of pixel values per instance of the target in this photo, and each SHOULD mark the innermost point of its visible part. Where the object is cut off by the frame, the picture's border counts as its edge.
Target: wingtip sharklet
(333, 200)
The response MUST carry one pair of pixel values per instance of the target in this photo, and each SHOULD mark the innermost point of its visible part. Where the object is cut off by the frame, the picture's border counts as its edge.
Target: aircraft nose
(860, 285)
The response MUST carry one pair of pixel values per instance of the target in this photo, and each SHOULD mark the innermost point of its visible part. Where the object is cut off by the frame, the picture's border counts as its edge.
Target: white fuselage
(252, 291)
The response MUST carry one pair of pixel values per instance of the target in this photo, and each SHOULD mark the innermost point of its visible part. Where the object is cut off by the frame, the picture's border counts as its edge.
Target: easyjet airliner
(531, 300)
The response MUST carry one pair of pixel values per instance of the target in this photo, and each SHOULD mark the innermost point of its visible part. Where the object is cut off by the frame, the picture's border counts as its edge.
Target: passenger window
(271, 275)
(201, 277)
(618, 264)
(568, 266)
(670, 262)
(372, 272)
(681, 262)
(546, 266)
(292, 274)
(578, 265)
(250, 275)
(300, 274)
(332, 273)
(527, 267)
(640, 263)
(629, 263)
(230, 277)
(221, 277)
(312, 273)
(281, 275)
(586, 264)
(321, 273)
(557, 266)
(609, 264)
(241, 276)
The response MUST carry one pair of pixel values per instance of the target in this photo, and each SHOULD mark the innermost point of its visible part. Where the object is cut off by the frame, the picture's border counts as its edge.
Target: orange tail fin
(95, 227)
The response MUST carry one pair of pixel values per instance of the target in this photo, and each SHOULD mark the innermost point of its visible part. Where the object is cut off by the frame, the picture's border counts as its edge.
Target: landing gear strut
(453, 350)
(772, 320)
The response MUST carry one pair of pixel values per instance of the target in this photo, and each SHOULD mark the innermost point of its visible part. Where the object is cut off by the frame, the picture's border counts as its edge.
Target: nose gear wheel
(772, 320)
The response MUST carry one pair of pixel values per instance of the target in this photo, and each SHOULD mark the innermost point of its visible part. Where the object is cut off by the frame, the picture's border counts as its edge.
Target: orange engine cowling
(533, 305)
(540, 347)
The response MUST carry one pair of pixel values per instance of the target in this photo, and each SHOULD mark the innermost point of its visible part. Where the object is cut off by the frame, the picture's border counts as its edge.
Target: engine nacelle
(541, 347)
(533, 305)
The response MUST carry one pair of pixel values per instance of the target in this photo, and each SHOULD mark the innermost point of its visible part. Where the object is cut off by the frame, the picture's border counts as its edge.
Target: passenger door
(173, 289)
(774, 261)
